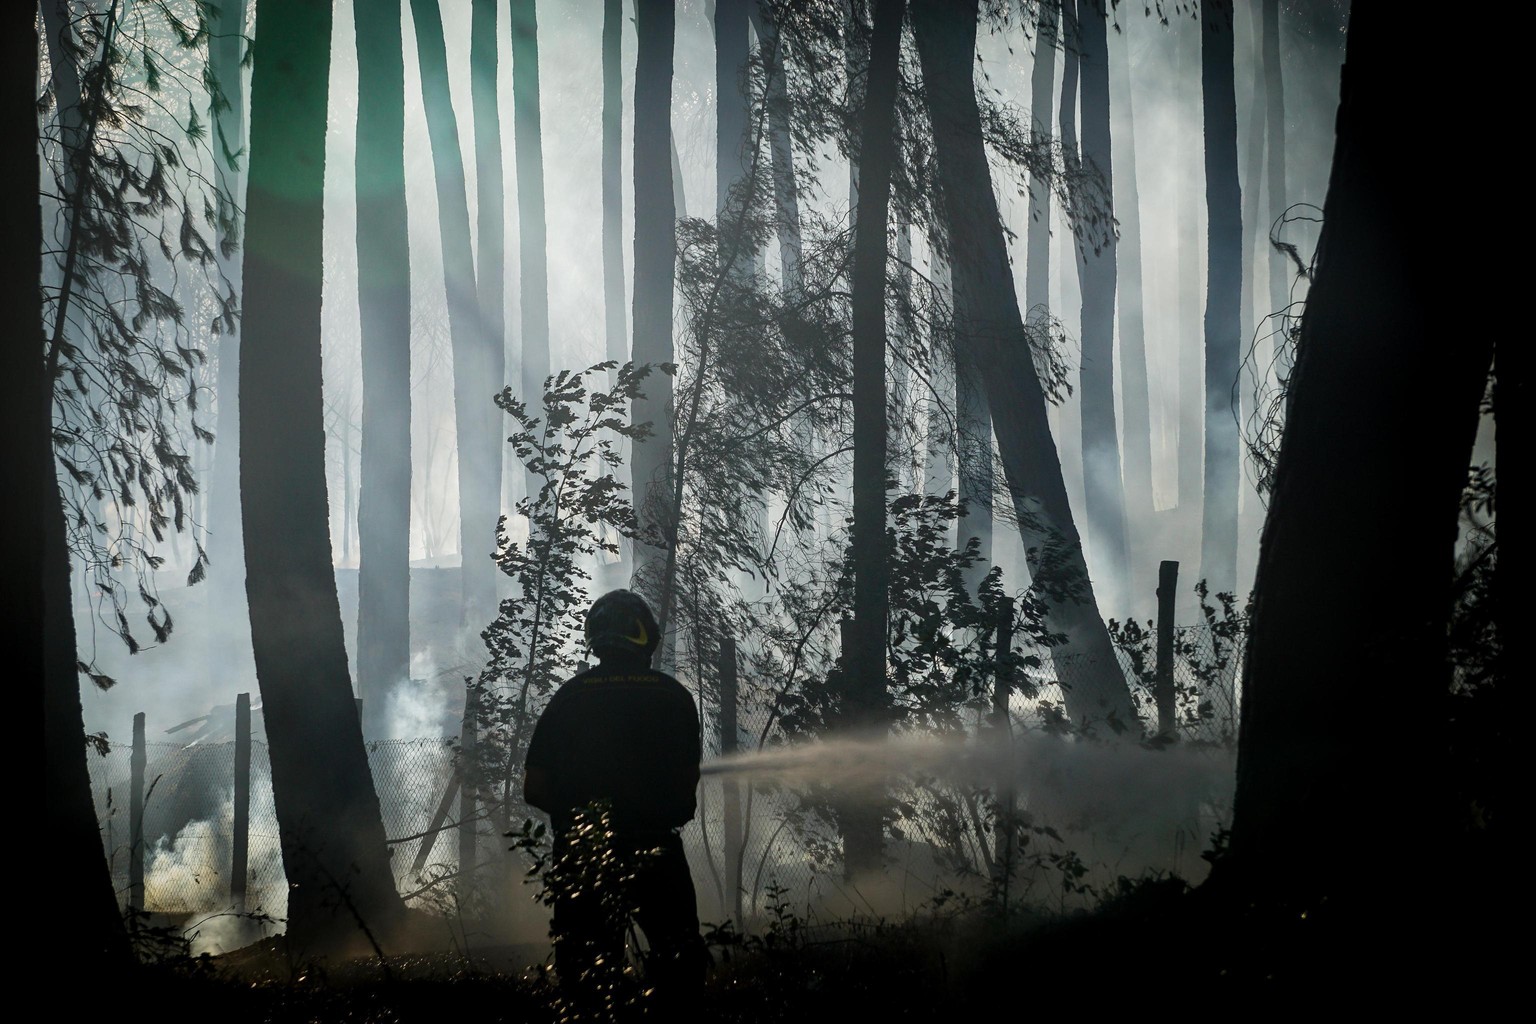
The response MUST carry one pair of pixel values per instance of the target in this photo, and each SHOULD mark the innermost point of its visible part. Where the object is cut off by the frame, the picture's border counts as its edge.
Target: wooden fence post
(1002, 685)
(731, 820)
(468, 840)
(1002, 690)
(1163, 691)
(136, 815)
(429, 838)
(240, 841)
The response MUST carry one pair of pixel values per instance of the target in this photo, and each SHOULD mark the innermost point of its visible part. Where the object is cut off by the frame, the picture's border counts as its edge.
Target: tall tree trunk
(786, 192)
(1255, 235)
(58, 29)
(83, 921)
(736, 181)
(226, 555)
(856, 47)
(533, 284)
(1071, 69)
(940, 474)
(384, 304)
(1365, 502)
(490, 257)
(867, 700)
(1191, 353)
(613, 190)
(617, 574)
(1103, 491)
(473, 363)
(974, 464)
(1135, 390)
(1037, 253)
(1274, 123)
(654, 271)
(732, 113)
(333, 846)
(1223, 299)
(679, 197)
(997, 346)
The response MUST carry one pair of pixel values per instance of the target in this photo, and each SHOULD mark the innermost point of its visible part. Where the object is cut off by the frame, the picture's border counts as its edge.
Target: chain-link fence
(788, 853)
(189, 811)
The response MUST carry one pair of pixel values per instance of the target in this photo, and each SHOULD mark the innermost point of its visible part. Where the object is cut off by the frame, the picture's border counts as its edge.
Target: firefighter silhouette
(626, 736)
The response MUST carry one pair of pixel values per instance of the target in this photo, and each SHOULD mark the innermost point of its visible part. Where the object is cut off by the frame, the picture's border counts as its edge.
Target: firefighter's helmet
(620, 623)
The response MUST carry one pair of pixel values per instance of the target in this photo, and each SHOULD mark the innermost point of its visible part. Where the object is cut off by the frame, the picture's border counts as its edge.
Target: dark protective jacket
(625, 733)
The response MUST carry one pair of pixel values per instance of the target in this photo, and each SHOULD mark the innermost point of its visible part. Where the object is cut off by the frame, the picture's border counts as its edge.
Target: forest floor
(1156, 943)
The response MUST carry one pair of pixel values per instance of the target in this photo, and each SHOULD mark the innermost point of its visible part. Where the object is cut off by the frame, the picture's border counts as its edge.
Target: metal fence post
(136, 816)
(1167, 586)
(240, 841)
(731, 819)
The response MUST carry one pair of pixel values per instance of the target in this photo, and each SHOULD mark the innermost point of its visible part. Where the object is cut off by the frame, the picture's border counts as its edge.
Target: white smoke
(1120, 809)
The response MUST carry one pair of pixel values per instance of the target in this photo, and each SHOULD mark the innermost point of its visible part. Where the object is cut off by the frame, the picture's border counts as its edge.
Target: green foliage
(570, 444)
(819, 43)
(131, 288)
(1480, 701)
(585, 864)
(764, 405)
(941, 645)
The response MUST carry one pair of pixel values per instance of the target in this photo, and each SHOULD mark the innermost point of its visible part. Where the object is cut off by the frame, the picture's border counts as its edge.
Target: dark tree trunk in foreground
(1102, 489)
(867, 699)
(533, 257)
(1342, 763)
(333, 846)
(84, 927)
(384, 305)
(996, 344)
(654, 270)
(473, 385)
(1223, 300)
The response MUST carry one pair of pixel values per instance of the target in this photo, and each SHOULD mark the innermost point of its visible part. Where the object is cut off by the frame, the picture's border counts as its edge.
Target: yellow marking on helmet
(644, 639)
